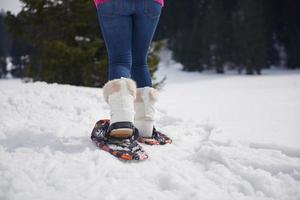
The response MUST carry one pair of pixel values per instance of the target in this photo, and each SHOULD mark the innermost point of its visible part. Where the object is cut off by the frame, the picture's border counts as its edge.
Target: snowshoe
(157, 138)
(125, 148)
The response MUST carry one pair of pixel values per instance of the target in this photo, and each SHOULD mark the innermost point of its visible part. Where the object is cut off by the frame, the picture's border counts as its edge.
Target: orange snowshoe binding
(157, 138)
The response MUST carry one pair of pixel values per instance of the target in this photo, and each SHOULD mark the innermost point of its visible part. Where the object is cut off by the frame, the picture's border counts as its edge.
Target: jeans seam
(133, 8)
(145, 6)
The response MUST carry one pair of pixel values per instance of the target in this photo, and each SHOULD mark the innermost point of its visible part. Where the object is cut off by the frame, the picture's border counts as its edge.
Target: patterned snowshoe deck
(126, 149)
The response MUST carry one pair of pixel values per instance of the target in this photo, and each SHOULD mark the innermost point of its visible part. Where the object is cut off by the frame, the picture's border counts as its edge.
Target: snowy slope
(45, 151)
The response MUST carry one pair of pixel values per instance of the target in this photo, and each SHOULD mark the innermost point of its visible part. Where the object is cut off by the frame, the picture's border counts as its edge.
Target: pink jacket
(98, 2)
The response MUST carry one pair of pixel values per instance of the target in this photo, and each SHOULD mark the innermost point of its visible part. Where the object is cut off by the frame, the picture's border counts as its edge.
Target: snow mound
(46, 153)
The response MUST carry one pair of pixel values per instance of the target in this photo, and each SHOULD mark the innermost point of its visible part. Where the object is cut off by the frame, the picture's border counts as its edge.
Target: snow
(235, 137)
(257, 109)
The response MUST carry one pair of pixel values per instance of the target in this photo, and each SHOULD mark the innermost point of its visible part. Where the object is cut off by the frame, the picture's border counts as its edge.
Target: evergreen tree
(5, 40)
(206, 34)
(213, 35)
(291, 32)
(250, 36)
(66, 41)
(65, 38)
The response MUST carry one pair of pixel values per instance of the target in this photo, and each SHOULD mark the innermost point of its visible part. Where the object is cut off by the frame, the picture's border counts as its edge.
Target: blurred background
(60, 40)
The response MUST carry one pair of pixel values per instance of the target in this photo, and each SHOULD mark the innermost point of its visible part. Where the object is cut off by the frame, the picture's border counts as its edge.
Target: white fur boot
(120, 95)
(146, 98)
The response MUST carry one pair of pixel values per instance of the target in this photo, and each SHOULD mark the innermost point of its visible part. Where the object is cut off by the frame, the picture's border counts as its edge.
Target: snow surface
(46, 153)
(256, 109)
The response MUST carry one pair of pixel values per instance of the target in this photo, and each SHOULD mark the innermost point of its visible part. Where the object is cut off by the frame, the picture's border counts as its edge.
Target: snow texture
(46, 153)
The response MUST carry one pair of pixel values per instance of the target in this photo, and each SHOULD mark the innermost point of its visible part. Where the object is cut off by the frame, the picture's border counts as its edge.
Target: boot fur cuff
(140, 94)
(115, 85)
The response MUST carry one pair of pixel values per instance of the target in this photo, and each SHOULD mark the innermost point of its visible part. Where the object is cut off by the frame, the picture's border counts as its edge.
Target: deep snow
(235, 137)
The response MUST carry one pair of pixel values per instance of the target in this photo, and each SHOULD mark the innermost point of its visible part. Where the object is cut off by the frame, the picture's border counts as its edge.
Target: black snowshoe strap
(118, 125)
(122, 125)
(103, 128)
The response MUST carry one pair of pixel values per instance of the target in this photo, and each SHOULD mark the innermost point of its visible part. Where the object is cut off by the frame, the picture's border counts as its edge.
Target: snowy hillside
(234, 138)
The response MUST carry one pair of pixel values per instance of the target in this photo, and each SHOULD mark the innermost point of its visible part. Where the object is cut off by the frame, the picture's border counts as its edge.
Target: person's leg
(116, 29)
(145, 21)
(120, 91)
(144, 24)
(118, 135)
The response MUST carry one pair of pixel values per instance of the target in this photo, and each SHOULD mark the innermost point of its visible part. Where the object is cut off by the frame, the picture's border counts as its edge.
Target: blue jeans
(128, 27)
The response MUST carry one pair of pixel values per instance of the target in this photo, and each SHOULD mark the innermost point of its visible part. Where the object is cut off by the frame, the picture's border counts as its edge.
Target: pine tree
(291, 32)
(66, 39)
(250, 36)
(5, 40)
(213, 35)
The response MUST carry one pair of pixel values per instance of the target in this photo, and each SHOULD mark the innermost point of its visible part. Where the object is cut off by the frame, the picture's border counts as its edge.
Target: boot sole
(121, 133)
